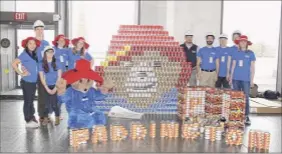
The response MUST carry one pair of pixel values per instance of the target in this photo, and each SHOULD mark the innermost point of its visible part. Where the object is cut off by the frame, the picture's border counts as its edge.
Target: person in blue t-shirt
(234, 48)
(223, 51)
(207, 63)
(61, 46)
(28, 59)
(243, 71)
(50, 72)
(79, 51)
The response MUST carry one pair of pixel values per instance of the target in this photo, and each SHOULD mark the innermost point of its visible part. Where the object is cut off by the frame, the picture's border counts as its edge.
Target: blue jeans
(245, 87)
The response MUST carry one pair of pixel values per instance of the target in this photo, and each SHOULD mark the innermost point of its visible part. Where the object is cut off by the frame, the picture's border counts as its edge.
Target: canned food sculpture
(153, 129)
(213, 105)
(149, 67)
(137, 131)
(237, 109)
(191, 102)
(234, 137)
(118, 132)
(259, 140)
(213, 133)
(99, 134)
(190, 131)
(169, 129)
(78, 136)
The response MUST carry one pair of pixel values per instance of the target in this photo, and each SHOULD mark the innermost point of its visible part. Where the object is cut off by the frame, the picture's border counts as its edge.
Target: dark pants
(41, 99)
(29, 90)
(245, 87)
(222, 83)
(51, 102)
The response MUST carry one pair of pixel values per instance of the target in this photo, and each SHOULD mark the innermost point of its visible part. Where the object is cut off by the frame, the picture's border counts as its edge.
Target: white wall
(9, 5)
(179, 16)
(279, 87)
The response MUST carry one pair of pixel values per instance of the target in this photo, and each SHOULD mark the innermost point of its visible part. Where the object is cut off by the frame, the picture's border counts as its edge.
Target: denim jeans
(29, 90)
(245, 87)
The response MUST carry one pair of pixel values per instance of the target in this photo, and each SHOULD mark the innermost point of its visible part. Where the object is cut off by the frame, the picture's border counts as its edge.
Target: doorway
(24, 31)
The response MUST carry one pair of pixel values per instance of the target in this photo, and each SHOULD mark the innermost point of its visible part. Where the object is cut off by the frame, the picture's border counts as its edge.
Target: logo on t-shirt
(247, 56)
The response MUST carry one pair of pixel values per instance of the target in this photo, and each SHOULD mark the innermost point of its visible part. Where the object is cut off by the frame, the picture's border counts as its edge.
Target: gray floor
(16, 138)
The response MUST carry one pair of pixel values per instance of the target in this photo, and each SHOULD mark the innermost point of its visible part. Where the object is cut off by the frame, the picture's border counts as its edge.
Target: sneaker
(34, 119)
(57, 121)
(31, 124)
(41, 119)
(45, 121)
(248, 121)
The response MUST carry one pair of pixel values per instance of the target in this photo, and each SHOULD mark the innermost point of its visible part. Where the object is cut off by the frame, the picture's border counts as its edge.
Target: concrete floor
(16, 138)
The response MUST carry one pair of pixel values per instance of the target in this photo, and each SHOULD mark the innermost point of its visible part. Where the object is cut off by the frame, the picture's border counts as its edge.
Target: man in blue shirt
(190, 50)
(207, 63)
(223, 52)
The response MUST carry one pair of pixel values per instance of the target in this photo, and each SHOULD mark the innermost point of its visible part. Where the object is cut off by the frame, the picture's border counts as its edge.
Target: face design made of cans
(147, 73)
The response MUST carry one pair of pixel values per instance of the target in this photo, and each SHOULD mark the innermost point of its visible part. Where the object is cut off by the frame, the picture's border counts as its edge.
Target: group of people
(41, 68)
(222, 66)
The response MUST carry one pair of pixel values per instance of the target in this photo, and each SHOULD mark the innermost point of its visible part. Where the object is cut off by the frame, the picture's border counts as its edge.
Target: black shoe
(248, 121)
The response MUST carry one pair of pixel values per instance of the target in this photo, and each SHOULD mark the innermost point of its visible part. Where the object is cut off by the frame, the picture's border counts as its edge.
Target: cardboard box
(260, 105)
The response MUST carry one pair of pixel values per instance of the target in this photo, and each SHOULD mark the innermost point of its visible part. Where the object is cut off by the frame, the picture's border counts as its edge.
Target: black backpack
(271, 94)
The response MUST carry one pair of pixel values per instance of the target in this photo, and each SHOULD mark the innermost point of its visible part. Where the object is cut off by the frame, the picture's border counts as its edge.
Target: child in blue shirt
(28, 60)
(79, 52)
(50, 72)
(243, 70)
(62, 50)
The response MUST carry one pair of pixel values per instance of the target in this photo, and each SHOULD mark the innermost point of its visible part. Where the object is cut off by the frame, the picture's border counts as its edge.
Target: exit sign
(20, 16)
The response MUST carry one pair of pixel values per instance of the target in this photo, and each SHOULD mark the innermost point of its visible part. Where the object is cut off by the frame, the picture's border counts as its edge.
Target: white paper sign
(223, 59)
(62, 59)
(241, 63)
(211, 60)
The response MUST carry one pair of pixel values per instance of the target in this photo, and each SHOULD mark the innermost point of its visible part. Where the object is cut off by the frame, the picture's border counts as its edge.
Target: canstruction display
(99, 134)
(191, 102)
(190, 130)
(118, 132)
(213, 133)
(236, 109)
(137, 131)
(169, 129)
(234, 137)
(78, 136)
(259, 140)
(213, 106)
(149, 67)
(153, 129)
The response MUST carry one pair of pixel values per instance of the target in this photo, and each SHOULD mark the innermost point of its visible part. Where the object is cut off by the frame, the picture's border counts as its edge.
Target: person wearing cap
(38, 27)
(61, 44)
(223, 51)
(191, 50)
(243, 70)
(79, 51)
(29, 78)
(207, 63)
(50, 72)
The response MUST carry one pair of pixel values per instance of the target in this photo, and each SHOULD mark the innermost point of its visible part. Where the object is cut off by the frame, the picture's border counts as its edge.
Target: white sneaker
(31, 124)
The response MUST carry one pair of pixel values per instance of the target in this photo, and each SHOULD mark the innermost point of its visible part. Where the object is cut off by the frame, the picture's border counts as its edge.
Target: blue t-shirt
(43, 44)
(51, 76)
(208, 57)
(62, 56)
(74, 57)
(30, 65)
(223, 54)
(242, 71)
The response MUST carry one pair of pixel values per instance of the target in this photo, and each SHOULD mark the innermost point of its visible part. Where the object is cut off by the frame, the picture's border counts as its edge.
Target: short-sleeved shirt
(74, 57)
(208, 58)
(30, 65)
(62, 56)
(242, 71)
(223, 54)
(51, 76)
(43, 44)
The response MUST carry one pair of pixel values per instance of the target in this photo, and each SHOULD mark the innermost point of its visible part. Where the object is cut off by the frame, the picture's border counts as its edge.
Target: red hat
(61, 36)
(25, 41)
(243, 38)
(82, 70)
(75, 40)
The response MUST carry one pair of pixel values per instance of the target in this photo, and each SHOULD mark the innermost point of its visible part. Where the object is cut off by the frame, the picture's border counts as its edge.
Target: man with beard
(190, 50)
(208, 63)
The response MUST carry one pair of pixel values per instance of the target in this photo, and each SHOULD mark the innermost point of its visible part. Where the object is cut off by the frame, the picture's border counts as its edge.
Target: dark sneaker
(41, 119)
(248, 121)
